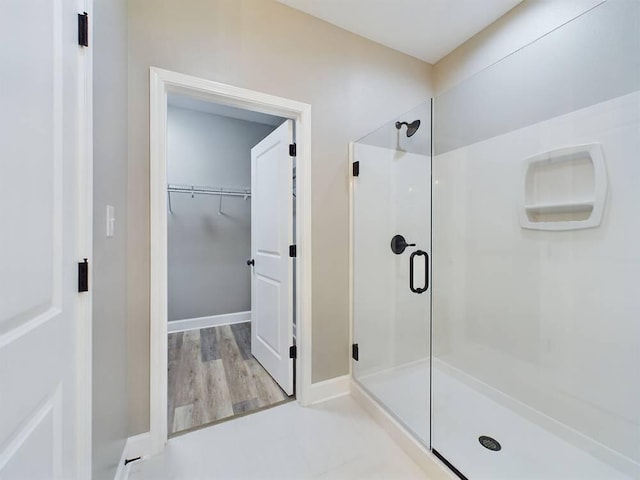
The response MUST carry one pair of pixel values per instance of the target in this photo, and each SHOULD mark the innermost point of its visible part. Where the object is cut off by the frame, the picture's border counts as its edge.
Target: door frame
(84, 320)
(163, 82)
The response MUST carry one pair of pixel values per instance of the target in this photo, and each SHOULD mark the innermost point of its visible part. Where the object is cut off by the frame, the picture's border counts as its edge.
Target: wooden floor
(212, 376)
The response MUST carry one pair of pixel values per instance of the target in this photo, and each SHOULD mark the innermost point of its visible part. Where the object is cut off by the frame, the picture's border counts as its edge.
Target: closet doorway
(228, 276)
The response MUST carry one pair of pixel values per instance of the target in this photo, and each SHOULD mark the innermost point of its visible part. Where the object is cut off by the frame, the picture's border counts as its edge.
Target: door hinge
(293, 351)
(356, 169)
(293, 150)
(83, 29)
(83, 276)
(293, 251)
(355, 352)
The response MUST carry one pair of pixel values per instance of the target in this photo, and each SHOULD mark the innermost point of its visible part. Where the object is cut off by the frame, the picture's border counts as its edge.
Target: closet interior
(213, 374)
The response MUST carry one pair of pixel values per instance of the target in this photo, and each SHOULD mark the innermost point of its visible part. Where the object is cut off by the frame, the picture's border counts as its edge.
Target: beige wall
(353, 85)
(109, 362)
(522, 25)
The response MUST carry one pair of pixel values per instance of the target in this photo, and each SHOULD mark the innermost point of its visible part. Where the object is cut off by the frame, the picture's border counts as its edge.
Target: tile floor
(334, 440)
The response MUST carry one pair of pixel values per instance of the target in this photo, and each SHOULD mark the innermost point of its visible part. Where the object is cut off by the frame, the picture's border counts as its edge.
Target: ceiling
(191, 103)
(425, 29)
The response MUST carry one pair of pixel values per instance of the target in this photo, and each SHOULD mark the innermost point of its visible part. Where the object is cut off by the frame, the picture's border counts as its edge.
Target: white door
(271, 235)
(42, 197)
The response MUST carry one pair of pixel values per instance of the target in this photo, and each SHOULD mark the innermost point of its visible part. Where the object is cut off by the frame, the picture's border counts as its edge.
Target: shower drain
(490, 443)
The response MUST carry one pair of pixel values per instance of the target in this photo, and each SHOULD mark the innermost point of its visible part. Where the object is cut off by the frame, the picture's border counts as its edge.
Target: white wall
(207, 252)
(547, 318)
(110, 422)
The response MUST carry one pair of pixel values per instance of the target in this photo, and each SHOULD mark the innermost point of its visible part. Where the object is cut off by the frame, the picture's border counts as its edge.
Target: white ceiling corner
(425, 29)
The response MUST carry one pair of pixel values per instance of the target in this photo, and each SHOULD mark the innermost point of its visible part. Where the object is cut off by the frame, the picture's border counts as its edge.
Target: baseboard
(328, 389)
(122, 473)
(429, 463)
(206, 322)
(139, 445)
(136, 446)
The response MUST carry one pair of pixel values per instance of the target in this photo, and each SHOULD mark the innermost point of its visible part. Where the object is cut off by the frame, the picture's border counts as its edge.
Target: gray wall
(110, 424)
(354, 86)
(522, 25)
(388, 136)
(207, 252)
(568, 69)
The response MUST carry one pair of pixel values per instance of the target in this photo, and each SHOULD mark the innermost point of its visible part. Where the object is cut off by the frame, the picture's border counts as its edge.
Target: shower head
(411, 127)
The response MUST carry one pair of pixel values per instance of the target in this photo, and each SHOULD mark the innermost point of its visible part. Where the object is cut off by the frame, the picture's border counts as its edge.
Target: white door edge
(272, 269)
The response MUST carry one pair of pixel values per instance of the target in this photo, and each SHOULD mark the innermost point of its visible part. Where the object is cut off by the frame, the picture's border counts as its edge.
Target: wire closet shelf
(194, 190)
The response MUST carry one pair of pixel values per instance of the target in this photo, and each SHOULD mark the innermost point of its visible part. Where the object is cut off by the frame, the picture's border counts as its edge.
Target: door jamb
(163, 82)
(84, 238)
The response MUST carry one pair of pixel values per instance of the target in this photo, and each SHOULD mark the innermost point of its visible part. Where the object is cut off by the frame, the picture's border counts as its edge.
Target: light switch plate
(111, 220)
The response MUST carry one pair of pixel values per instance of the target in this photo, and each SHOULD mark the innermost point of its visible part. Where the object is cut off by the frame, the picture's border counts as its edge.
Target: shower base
(404, 391)
(462, 414)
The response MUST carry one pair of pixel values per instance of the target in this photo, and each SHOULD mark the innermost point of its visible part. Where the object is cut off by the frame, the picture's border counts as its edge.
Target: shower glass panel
(391, 253)
(536, 223)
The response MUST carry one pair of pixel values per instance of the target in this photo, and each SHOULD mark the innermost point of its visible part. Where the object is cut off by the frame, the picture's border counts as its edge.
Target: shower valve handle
(399, 244)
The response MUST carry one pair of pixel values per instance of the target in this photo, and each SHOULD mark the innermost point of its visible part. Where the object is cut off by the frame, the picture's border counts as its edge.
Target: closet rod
(193, 190)
(228, 192)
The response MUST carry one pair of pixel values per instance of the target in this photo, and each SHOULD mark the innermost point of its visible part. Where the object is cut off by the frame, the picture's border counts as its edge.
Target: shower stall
(496, 303)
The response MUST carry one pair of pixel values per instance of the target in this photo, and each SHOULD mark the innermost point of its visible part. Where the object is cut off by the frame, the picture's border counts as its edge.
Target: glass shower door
(391, 254)
(536, 220)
